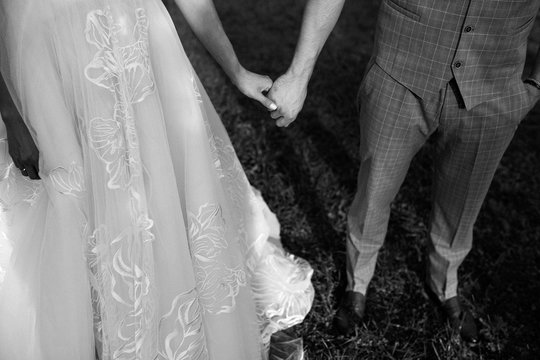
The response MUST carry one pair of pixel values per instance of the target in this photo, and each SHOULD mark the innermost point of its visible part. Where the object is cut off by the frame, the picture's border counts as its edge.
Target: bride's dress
(144, 239)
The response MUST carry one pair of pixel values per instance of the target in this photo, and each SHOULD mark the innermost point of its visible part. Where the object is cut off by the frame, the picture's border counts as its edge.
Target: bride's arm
(205, 23)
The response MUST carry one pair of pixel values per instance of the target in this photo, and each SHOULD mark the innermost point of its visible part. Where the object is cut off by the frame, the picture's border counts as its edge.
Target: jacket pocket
(522, 27)
(402, 10)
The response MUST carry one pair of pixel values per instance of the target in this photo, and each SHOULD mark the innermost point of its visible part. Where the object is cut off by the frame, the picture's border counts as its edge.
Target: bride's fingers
(269, 104)
(267, 85)
(266, 88)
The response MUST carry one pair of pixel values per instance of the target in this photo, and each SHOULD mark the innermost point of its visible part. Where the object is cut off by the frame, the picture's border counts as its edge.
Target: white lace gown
(144, 239)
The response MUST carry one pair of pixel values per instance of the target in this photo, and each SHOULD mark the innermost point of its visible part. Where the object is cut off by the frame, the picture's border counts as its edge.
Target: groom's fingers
(275, 114)
(282, 122)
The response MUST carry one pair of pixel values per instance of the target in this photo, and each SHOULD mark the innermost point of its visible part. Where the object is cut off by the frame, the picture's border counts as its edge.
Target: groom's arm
(290, 90)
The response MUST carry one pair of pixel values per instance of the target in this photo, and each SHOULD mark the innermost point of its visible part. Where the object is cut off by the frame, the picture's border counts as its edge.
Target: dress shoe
(461, 320)
(350, 312)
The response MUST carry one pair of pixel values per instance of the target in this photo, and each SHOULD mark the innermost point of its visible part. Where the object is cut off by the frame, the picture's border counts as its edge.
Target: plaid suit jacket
(482, 43)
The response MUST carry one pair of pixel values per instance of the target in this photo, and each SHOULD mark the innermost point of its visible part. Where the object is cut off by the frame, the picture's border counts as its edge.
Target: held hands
(22, 148)
(289, 93)
(285, 97)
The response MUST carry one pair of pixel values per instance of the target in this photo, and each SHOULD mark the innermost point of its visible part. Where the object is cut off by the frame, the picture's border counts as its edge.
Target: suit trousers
(394, 125)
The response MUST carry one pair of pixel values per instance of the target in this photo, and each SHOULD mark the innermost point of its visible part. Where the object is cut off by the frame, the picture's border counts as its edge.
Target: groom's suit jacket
(481, 43)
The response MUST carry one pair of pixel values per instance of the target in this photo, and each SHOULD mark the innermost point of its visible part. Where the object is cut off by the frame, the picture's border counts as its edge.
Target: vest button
(468, 29)
(458, 64)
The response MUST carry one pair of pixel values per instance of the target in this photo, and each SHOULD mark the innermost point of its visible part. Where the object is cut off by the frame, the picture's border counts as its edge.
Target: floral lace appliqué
(122, 66)
(120, 279)
(121, 260)
(218, 284)
(184, 324)
(68, 181)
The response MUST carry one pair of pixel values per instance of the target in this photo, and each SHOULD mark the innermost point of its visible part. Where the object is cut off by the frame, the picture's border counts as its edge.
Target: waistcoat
(482, 43)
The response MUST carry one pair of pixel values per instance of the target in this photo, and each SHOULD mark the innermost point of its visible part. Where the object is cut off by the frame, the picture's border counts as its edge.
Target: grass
(307, 174)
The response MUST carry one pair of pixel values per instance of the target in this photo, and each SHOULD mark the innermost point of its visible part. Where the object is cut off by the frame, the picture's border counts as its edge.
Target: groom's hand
(288, 93)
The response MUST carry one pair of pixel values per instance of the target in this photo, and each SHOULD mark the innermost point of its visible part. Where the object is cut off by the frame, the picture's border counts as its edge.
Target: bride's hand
(254, 86)
(22, 148)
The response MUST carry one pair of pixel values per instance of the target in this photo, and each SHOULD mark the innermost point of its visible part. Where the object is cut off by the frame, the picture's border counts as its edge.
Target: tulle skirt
(143, 239)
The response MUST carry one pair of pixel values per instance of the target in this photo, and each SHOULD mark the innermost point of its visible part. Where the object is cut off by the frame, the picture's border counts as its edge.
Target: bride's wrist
(236, 74)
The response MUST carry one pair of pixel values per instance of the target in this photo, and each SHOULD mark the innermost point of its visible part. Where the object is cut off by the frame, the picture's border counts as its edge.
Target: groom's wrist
(302, 68)
(302, 75)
